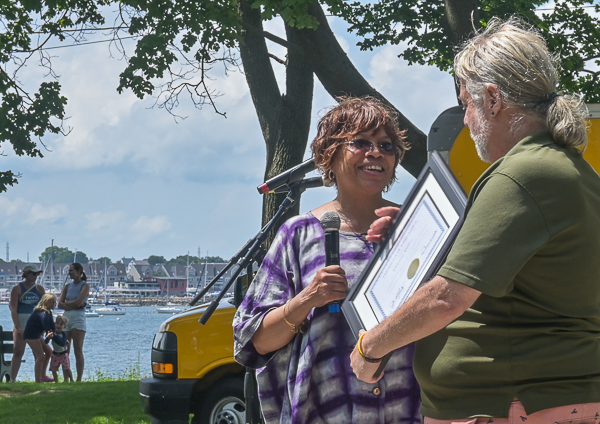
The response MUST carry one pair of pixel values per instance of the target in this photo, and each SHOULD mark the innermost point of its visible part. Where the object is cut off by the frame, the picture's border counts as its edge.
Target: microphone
(304, 184)
(288, 177)
(330, 221)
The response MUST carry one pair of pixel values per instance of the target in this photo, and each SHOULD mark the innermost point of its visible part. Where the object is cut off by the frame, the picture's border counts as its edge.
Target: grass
(90, 402)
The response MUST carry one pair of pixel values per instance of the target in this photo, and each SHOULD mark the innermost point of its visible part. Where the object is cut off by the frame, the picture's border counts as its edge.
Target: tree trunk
(284, 118)
(339, 77)
(462, 19)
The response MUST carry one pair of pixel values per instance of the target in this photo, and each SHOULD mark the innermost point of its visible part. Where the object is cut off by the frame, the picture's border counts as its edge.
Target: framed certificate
(412, 251)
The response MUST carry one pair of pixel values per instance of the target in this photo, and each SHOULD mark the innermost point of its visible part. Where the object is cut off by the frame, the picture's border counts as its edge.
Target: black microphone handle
(332, 257)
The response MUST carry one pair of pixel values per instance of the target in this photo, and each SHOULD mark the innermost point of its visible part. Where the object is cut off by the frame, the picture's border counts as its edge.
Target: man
(508, 331)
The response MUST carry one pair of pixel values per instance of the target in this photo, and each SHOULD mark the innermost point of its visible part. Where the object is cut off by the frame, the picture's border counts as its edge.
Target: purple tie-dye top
(310, 380)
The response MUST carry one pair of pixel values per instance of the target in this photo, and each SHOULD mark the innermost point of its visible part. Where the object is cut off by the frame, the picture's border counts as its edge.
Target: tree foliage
(62, 255)
(154, 259)
(189, 259)
(27, 26)
(104, 259)
(430, 32)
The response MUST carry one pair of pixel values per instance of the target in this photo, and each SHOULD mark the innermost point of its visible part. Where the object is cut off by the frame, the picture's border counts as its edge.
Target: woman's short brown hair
(355, 115)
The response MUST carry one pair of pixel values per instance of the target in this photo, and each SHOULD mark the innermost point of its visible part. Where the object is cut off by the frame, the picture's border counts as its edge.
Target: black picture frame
(437, 192)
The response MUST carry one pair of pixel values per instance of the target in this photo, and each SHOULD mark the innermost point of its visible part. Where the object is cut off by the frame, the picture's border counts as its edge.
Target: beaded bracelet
(300, 328)
(365, 357)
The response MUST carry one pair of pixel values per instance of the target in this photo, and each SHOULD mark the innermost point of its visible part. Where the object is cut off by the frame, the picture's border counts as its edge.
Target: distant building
(130, 278)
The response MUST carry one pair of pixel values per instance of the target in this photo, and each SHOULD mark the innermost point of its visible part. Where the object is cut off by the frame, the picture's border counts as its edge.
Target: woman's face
(73, 273)
(31, 276)
(365, 170)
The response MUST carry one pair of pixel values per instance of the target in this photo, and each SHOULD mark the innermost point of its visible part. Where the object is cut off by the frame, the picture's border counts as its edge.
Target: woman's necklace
(362, 236)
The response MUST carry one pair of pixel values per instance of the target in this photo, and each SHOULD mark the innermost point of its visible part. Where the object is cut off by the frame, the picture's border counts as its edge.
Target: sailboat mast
(105, 300)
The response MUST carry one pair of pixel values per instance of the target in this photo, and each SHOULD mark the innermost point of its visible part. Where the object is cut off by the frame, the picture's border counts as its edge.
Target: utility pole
(7, 256)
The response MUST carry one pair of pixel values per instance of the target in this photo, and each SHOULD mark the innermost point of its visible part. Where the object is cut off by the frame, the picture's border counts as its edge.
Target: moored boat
(110, 310)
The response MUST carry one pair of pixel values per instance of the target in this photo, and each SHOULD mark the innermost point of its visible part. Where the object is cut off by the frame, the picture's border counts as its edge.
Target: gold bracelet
(360, 351)
(300, 328)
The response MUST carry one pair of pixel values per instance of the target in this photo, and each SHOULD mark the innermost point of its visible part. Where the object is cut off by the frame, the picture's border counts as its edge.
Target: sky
(131, 181)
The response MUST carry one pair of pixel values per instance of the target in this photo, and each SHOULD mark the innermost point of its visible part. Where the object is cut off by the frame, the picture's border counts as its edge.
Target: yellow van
(193, 370)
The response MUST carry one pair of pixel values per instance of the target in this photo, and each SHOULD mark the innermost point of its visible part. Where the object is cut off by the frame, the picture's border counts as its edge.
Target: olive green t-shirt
(531, 244)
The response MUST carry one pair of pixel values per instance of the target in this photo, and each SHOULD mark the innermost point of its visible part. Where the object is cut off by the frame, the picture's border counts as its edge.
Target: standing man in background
(508, 329)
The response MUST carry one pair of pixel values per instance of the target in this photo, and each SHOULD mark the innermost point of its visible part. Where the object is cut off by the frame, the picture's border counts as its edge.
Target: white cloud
(30, 213)
(146, 227)
(105, 221)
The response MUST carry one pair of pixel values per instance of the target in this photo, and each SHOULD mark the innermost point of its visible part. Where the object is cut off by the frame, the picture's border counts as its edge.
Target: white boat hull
(110, 311)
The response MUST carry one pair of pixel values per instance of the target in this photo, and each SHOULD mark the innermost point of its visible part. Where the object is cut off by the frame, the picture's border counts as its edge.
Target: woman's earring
(331, 176)
(492, 112)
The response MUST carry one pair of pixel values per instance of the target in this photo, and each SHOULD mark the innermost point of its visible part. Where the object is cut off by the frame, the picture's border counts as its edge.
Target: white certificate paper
(402, 271)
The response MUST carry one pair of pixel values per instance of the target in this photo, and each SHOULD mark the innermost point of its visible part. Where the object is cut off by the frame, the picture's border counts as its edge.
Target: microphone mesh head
(330, 221)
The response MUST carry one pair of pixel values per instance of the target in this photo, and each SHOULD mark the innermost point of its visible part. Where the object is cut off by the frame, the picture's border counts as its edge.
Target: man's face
(477, 122)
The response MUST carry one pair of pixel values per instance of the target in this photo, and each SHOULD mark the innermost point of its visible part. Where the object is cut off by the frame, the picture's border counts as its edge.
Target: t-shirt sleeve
(503, 229)
(273, 285)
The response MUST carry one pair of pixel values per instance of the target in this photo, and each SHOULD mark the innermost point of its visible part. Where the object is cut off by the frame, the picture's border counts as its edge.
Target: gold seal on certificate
(412, 268)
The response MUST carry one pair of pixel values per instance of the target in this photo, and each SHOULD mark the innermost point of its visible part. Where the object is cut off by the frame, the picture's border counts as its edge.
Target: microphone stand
(251, 252)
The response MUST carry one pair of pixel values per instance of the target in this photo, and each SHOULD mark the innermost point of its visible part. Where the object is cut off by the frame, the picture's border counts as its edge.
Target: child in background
(40, 322)
(60, 352)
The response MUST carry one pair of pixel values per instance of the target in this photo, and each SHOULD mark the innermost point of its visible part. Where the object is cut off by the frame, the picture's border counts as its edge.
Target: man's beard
(480, 133)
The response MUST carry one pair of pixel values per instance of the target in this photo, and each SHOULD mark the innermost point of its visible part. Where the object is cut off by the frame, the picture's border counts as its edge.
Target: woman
(283, 326)
(73, 300)
(39, 322)
(23, 298)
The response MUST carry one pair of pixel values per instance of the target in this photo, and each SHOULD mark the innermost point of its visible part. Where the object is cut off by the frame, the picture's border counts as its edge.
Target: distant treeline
(64, 255)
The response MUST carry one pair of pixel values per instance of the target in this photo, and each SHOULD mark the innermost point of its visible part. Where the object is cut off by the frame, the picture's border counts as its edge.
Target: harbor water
(114, 344)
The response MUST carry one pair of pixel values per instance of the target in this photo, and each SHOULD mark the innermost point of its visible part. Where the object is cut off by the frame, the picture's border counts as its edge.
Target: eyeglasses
(365, 146)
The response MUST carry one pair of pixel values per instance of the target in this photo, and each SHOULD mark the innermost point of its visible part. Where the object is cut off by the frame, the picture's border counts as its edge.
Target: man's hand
(380, 226)
(364, 370)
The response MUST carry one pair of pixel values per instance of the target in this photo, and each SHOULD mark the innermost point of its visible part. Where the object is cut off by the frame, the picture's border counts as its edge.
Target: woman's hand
(328, 285)
(380, 226)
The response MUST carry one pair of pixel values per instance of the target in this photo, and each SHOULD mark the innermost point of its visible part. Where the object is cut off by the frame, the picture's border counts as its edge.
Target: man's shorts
(57, 360)
(583, 413)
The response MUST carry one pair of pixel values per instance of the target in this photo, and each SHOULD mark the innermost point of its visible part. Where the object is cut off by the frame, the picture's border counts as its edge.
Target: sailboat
(109, 308)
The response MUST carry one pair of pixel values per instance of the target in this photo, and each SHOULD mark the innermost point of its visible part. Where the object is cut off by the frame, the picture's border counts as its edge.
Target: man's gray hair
(514, 57)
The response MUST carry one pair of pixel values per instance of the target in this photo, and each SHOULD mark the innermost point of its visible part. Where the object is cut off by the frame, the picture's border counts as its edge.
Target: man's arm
(431, 308)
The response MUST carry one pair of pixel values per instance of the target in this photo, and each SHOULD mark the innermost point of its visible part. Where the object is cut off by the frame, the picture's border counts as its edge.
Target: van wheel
(223, 404)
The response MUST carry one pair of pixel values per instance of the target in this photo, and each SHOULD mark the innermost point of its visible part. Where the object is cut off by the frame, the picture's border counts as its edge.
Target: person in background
(39, 322)
(60, 351)
(73, 300)
(508, 330)
(283, 327)
(23, 298)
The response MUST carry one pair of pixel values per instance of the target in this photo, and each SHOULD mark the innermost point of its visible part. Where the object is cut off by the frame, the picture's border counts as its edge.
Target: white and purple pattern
(310, 381)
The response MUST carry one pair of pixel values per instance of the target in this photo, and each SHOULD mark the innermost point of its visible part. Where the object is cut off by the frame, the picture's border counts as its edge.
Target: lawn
(94, 402)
